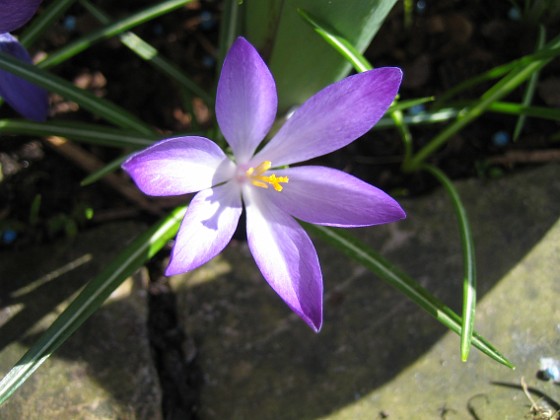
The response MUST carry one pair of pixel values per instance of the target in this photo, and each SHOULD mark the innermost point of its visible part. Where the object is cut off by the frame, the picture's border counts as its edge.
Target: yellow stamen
(262, 181)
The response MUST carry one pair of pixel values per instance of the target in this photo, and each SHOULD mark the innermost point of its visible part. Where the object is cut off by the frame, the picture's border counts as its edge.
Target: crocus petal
(285, 256)
(179, 166)
(15, 13)
(207, 228)
(27, 99)
(246, 99)
(325, 196)
(334, 117)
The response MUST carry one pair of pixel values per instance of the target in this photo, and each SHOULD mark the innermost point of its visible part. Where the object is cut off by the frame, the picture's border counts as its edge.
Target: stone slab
(105, 370)
(378, 354)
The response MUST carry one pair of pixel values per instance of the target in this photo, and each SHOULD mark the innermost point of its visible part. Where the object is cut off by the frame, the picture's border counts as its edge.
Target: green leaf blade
(503, 87)
(363, 254)
(469, 274)
(44, 21)
(301, 69)
(109, 31)
(151, 55)
(90, 299)
(82, 132)
(105, 109)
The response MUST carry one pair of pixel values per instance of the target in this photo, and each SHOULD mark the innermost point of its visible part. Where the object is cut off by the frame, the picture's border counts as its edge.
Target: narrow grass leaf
(403, 105)
(108, 168)
(520, 109)
(531, 87)
(503, 87)
(360, 64)
(301, 69)
(423, 118)
(151, 55)
(85, 99)
(109, 31)
(494, 73)
(44, 21)
(447, 114)
(469, 264)
(339, 43)
(90, 299)
(363, 254)
(82, 132)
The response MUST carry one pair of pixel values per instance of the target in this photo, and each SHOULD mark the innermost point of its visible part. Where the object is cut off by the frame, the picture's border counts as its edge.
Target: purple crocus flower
(27, 99)
(273, 195)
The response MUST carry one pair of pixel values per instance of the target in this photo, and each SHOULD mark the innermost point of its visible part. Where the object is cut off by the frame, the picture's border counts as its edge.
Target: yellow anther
(262, 181)
(261, 169)
(275, 181)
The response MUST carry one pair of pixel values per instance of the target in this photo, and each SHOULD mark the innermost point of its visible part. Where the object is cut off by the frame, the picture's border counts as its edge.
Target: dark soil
(447, 42)
(174, 353)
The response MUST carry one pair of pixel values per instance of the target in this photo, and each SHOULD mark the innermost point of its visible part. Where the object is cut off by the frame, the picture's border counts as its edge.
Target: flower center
(263, 181)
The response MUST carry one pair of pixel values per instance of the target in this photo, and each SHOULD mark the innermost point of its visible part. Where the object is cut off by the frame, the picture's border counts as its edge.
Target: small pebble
(69, 23)
(9, 236)
(550, 369)
(500, 138)
(514, 14)
(208, 61)
(157, 29)
(207, 21)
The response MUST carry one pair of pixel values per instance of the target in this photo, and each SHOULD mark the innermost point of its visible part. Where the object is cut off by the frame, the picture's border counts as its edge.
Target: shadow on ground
(105, 369)
(257, 359)
(260, 361)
